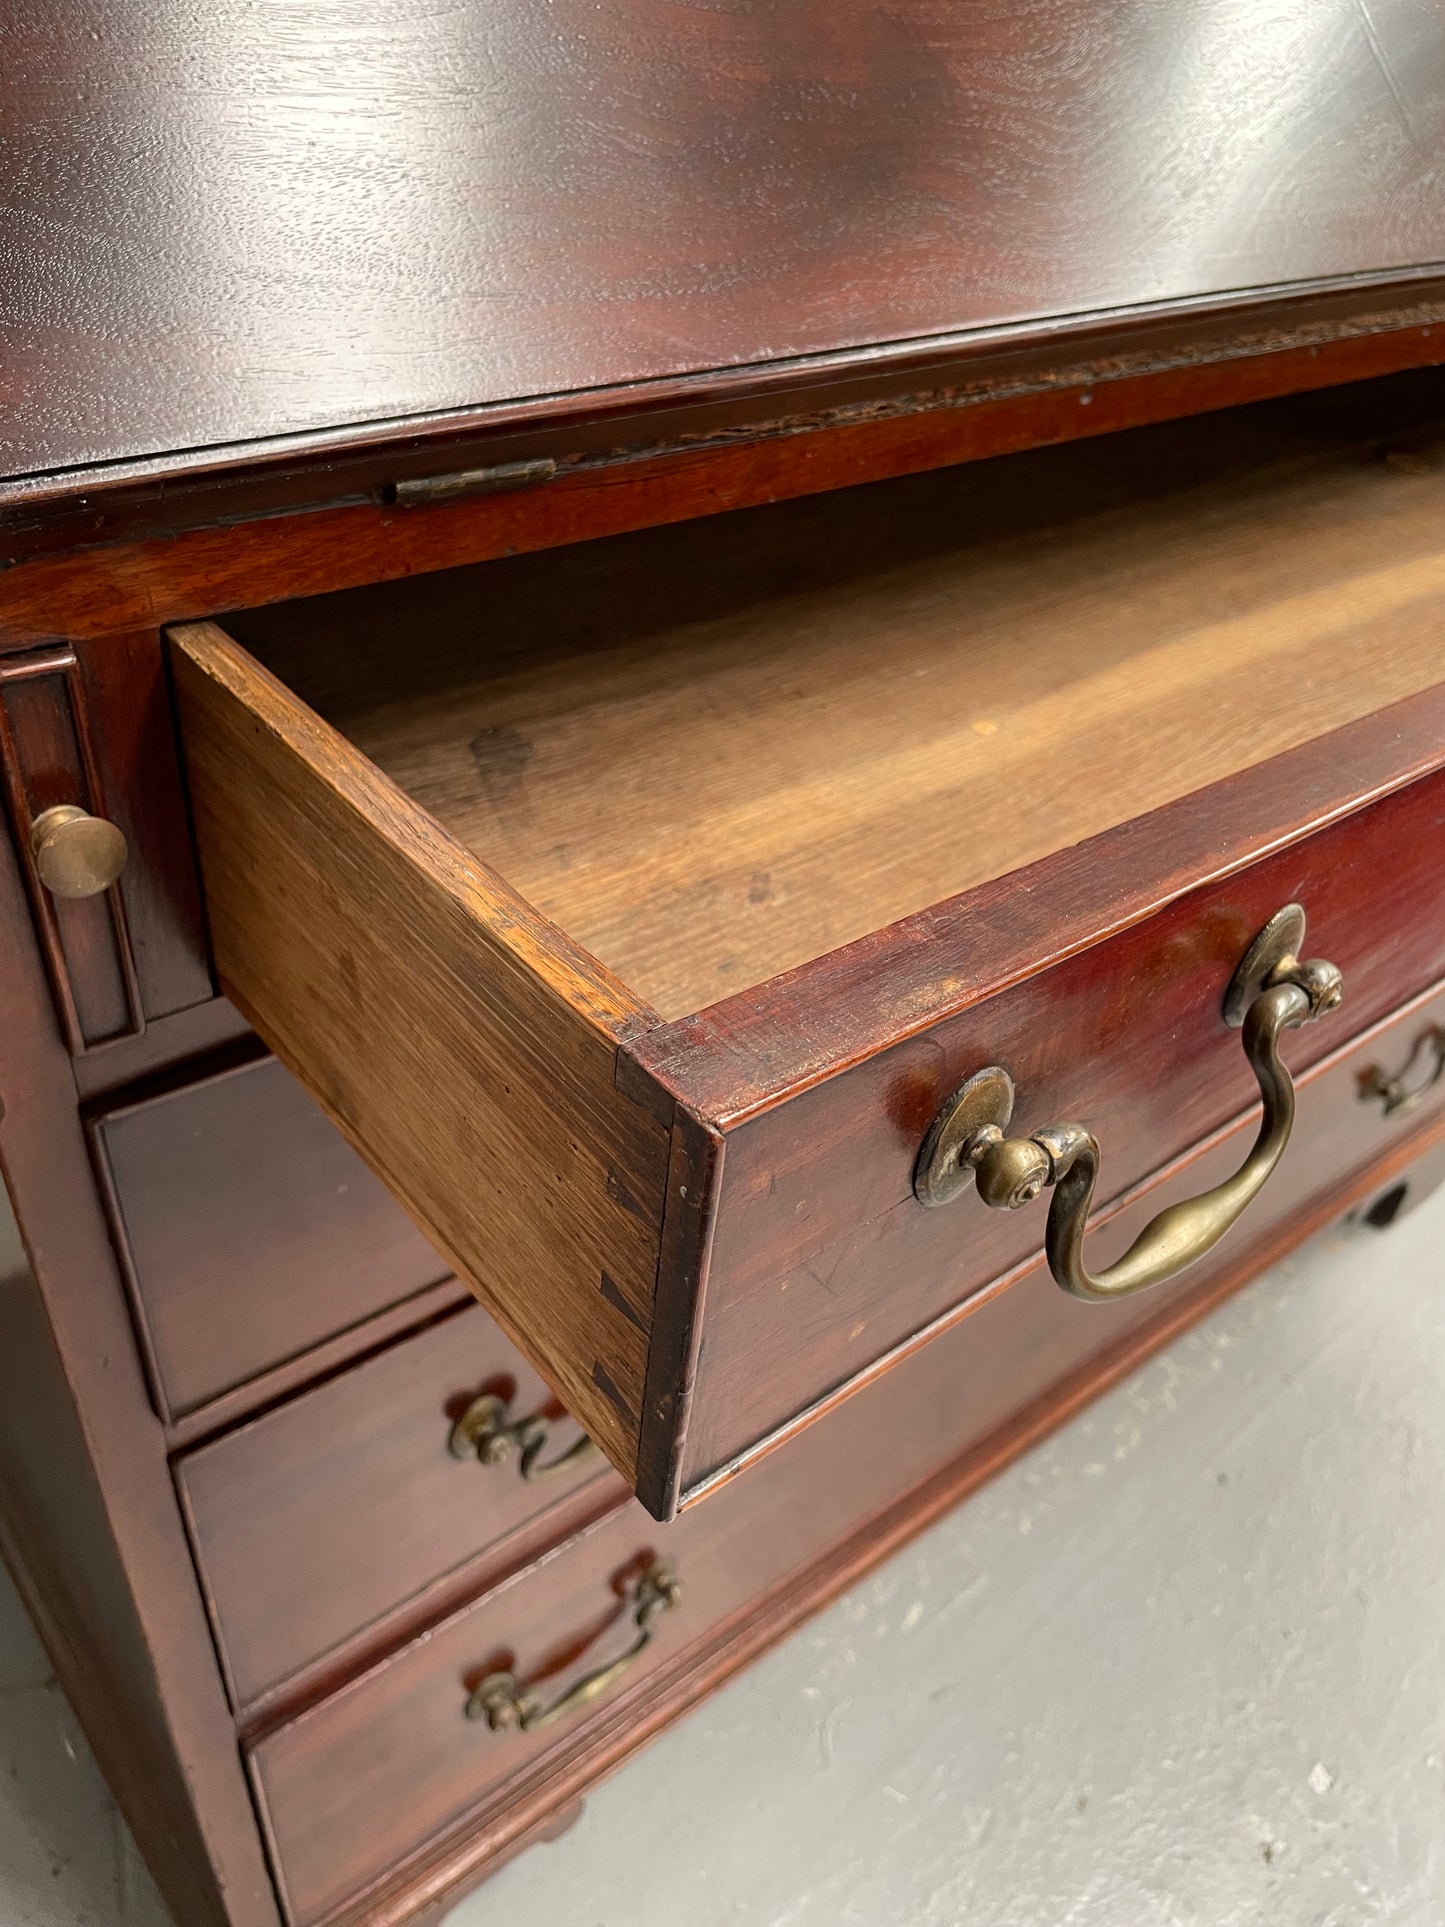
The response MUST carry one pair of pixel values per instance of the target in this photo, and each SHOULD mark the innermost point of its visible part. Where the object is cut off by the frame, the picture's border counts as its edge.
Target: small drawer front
(316, 1520)
(357, 1784)
(352, 1787)
(89, 779)
(249, 1230)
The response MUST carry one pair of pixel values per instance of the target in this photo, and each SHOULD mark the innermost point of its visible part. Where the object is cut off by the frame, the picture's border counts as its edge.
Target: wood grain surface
(714, 752)
(89, 1523)
(821, 1261)
(454, 1036)
(352, 1787)
(1085, 700)
(326, 1519)
(248, 1229)
(231, 223)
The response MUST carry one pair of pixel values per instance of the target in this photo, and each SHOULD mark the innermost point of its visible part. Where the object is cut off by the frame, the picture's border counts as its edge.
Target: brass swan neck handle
(485, 1432)
(506, 1705)
(1403, 1092)
(1271, 991)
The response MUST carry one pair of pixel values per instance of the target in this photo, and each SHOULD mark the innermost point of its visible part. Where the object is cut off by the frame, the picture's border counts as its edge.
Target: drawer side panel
(454, 1037)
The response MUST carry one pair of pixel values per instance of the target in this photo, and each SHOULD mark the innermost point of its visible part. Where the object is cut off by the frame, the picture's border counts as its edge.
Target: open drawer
(636, 908)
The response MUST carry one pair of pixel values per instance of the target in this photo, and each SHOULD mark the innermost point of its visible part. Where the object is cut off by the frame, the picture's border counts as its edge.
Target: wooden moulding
(110, 572)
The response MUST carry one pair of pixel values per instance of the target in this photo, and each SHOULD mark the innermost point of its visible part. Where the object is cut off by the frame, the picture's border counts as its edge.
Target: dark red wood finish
(137, 952)
(351, 1789)
(220, 233)
(1342, 1127)
(355, 539)
(1137, 364)
(820, 1086)
(705, 291)
(354, 1477)
(47, 760)
(248, 1229)
(88, 1516)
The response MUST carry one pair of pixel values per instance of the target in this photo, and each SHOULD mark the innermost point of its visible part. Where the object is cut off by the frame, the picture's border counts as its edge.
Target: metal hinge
(470, 481)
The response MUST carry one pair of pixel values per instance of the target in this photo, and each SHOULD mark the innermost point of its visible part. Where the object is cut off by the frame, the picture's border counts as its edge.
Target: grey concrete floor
(1182, 1666)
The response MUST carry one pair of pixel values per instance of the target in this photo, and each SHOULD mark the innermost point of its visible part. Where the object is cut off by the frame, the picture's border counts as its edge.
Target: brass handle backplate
(76, 854)
(484, 1432)
(1402, 1093)
(1271, 991)
(506, 1706)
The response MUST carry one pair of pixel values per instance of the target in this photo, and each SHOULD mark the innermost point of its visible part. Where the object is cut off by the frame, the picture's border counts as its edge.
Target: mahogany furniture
(740, 682)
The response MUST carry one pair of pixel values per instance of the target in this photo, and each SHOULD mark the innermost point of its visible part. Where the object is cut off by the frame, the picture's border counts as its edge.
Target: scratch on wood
(1387, 71)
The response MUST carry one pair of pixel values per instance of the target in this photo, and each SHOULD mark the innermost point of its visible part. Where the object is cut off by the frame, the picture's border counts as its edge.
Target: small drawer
(637, 909)
(89, 780)
(249, 1230)
(318, 1519)
(359, 1784)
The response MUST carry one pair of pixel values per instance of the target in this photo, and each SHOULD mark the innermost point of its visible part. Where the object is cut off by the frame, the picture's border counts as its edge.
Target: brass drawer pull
(484, 1431)
(1400, 1094)
(76, 854)
(1271, 991)
(504, 1705)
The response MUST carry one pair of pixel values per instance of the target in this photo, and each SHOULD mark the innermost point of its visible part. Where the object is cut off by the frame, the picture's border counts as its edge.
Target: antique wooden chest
(723, 748)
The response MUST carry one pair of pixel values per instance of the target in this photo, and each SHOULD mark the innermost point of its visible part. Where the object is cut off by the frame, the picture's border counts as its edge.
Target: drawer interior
(714, 751)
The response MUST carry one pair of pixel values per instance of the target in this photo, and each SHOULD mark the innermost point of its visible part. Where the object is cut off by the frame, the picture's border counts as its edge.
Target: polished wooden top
(230, 221)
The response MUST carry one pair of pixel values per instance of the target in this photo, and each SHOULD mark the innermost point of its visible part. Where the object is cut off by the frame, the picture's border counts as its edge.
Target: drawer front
(822, 1261)
(89, 731)
(249, 1230)
(319, 1518)
(353, 1786)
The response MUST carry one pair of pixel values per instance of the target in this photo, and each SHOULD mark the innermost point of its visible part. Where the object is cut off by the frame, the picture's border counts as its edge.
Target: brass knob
(77, 855)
